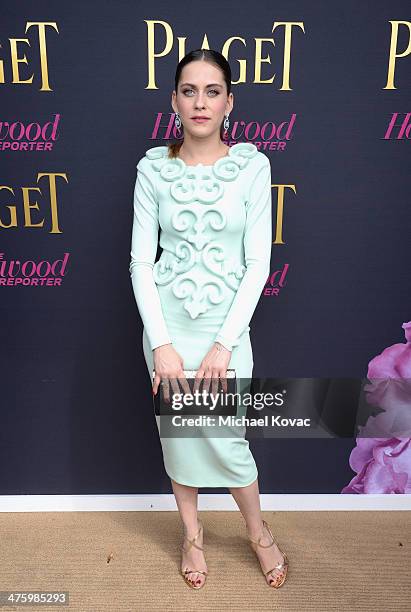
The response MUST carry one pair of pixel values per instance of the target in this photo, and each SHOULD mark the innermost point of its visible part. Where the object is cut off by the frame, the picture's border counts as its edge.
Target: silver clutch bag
(202, 403)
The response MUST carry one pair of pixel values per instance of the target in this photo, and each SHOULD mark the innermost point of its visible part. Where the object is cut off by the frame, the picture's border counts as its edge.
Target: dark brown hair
(208, 55)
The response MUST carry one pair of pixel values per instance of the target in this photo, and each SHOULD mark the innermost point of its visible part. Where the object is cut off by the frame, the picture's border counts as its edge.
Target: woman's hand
(168, 366)
(214, 366)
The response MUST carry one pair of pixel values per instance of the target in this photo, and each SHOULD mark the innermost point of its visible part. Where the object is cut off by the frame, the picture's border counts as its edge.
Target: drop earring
(226, 126)
(177, 123)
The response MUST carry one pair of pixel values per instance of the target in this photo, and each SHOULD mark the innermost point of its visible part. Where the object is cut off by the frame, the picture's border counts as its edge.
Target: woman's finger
(184, 384)
(156, 382)
(197, 379)
(223, 379)
(207, 380)
(165, 385)
(174, 386)
(215, 378)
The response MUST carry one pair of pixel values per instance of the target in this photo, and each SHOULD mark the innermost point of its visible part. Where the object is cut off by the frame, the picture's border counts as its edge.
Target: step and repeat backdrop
(323, 89)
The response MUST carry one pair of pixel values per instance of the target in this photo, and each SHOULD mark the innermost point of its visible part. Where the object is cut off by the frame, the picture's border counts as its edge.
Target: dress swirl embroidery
(196, 230)
(196, 191)
(198, 296)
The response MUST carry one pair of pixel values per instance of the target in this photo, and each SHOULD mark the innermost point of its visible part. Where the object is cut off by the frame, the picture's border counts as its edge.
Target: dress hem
(214, 486)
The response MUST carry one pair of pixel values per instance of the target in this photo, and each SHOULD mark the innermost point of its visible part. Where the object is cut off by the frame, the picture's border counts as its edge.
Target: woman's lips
(198, 120)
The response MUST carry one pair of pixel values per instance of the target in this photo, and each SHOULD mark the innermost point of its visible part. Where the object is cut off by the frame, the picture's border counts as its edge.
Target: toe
(274, 578)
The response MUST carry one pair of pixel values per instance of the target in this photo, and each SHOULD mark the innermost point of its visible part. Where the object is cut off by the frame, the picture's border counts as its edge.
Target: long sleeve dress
(215, 234)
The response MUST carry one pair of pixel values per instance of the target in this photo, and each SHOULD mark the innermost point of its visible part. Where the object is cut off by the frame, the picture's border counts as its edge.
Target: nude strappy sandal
(187, 571)
(279, 580)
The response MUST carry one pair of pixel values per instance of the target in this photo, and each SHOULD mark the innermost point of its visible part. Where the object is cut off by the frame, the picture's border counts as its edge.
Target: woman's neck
(193, 152)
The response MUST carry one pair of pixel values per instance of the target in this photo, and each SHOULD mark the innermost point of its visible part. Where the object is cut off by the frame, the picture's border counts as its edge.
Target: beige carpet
(338, 561)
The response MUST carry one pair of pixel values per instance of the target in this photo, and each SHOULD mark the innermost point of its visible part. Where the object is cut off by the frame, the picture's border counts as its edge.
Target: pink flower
(382, 466)
(383, 463)
(394, 361)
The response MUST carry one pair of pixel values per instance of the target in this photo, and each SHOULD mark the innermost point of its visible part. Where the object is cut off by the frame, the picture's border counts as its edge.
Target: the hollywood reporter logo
(30, 273)
(275, 281)
(33, 136)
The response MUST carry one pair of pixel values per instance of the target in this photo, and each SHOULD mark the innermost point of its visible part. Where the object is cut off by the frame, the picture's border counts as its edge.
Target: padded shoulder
(152, 154)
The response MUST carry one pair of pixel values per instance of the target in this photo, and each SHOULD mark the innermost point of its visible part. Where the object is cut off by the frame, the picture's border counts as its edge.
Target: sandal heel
(188, 571)
(283, 566)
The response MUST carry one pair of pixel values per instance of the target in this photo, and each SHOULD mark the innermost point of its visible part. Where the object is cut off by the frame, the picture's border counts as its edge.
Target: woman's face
(201, 91)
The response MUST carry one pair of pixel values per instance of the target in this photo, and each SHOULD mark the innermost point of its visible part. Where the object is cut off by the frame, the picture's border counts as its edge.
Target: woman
(197, 300)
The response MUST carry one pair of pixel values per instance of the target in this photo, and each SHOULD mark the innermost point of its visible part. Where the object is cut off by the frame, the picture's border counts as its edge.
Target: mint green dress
(215, 234)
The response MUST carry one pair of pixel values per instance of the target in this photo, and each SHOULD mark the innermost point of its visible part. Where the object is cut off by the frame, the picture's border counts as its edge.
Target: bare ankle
(255, 529)
(191, 528)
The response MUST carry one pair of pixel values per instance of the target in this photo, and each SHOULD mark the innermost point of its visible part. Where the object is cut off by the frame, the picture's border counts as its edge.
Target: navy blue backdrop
(76, 400)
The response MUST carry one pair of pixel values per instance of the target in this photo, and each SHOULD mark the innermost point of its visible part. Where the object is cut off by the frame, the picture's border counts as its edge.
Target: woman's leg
(248, 501)
(187, 498)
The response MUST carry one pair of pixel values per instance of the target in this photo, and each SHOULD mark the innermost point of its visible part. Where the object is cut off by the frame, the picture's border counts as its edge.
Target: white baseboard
(166, 502)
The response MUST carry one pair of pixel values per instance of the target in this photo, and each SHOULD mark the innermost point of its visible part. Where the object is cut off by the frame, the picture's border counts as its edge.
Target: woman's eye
(213, 90)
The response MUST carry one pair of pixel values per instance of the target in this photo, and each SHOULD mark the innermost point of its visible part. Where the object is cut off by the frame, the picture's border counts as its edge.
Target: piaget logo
(161, 42)
(30, 273)
(395, 53)
(29, 214)
(10, 65)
